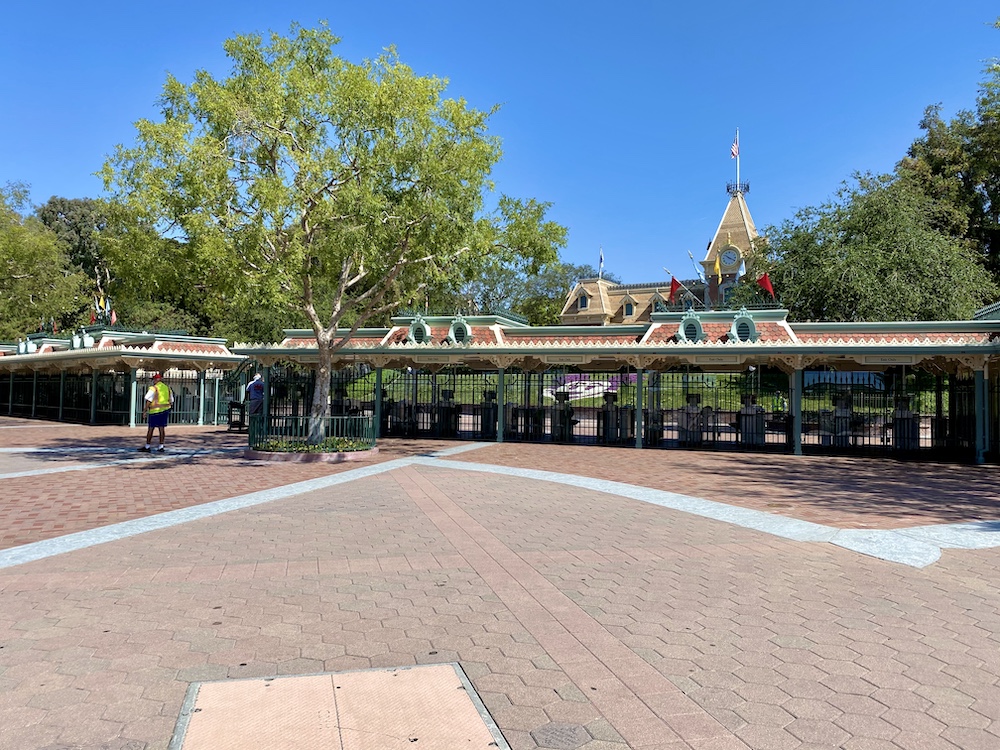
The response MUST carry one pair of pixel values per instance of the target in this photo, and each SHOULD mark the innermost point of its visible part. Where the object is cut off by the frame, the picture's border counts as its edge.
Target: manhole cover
(561, 736)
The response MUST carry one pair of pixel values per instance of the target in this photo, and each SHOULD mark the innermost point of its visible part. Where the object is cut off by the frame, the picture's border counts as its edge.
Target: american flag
(735, 150)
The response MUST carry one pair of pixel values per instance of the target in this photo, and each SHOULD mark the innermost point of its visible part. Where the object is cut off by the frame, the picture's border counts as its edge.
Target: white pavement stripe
(83, 539)
(140, 458)
(916, 547)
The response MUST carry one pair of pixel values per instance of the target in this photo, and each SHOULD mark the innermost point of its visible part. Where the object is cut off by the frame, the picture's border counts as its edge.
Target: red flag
(93, 318)
(675, 286)
(114, 317)
(764, 282)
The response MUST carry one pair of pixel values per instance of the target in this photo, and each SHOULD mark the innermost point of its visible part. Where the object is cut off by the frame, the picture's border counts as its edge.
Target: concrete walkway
(637, 599)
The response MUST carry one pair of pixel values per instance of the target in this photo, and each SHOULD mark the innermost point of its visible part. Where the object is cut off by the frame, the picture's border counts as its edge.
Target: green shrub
(328, 445)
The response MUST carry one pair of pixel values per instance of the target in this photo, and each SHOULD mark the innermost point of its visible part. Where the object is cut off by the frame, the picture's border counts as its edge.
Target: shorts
(159, 419)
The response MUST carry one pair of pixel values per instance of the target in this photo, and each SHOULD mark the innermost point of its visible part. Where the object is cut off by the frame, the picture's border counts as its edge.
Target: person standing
(159, 398)
(255, 394)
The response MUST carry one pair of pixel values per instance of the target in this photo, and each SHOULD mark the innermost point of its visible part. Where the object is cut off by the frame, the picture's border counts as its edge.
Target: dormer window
(743, 328)
(690, 329)
(420, 332)
(582, 302)
(459, 333)
(629, 309)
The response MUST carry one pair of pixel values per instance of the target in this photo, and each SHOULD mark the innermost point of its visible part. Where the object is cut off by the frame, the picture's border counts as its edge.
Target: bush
(329, 445)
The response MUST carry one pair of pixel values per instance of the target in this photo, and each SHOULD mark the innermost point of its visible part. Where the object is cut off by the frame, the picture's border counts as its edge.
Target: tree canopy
(337, 189)
(879, 251)
(957, 163)
(38, 282)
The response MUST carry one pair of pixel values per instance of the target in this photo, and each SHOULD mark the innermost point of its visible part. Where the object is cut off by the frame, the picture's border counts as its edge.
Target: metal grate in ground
(430, 707)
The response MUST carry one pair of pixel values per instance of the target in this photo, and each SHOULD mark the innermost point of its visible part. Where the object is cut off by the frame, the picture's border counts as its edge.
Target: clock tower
(730, 248)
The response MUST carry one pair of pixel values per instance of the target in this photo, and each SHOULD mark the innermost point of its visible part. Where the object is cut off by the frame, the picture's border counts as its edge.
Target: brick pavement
(567, 607)
(845, 493)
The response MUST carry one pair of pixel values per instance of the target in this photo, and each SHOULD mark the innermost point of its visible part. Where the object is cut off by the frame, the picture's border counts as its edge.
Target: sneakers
(144, 450)
(160, 449)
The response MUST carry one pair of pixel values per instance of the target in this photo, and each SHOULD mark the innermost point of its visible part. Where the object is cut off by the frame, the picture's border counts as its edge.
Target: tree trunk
(320, 412)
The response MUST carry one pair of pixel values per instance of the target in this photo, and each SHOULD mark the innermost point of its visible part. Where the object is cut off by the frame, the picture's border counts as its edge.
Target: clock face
(730, 257)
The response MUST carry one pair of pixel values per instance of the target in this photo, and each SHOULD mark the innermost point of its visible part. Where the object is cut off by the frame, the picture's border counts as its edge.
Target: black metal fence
(900, 411)
(102, 398)
(733, 411)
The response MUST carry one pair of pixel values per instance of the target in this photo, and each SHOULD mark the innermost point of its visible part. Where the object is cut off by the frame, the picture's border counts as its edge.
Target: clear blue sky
(620, 114)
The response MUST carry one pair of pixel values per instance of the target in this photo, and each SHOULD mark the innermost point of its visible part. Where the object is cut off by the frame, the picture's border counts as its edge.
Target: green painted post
(215, 401)
(638, 408)
(10, 397)
(378, 402)
(34, 393)
(980, 409)
(798, 382)
(267, 400)
(501, 405)
(201, 397)
(93, 396)
(988, 446)
(133, 391)
(62, 391)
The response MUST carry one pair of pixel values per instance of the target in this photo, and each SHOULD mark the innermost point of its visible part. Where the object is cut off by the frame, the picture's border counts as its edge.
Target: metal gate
(898, 412)
(565, 405)
(454, 402)
(737, 411)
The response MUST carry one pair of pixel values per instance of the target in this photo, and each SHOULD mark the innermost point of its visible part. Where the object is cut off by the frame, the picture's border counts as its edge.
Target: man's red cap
(157, 376)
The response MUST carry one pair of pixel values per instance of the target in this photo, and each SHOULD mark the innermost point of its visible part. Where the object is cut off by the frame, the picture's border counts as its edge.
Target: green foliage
(306, 181)
(544, 294)
(37, 279)
(876, 252)
(958, 164)
(78, 224)
(303, 181)
(327, 445)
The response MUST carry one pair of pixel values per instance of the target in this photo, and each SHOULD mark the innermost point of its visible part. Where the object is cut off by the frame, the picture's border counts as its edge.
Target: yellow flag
(718, 269)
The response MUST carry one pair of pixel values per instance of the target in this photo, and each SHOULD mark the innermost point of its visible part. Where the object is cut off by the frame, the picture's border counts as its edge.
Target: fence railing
(294, 434)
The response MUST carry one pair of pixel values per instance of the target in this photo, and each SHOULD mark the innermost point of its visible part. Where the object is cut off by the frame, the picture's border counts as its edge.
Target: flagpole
(737, 158)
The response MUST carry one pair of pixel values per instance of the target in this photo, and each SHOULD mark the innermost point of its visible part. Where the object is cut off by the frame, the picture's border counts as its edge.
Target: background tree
(876, 252)
(37, 280)
(78, 224)
(958, 164)
(544, 294)
(338, 189)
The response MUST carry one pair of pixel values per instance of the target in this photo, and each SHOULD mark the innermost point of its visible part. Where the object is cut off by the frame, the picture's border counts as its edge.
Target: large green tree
(877, 251)
(78, 224)
(38, 283)
(337, 189)
(957, 162)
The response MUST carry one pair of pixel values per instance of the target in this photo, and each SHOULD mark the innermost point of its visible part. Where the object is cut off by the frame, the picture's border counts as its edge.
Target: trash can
(237, 416)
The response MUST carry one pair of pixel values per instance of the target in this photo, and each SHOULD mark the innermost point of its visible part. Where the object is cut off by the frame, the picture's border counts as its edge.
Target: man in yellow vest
(158, 401)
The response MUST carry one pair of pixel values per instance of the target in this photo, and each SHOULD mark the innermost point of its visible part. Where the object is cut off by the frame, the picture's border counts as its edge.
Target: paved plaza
(597, 598)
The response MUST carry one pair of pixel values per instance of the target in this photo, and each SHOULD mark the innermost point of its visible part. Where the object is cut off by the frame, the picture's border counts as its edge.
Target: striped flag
(600, 269)
(734, 152)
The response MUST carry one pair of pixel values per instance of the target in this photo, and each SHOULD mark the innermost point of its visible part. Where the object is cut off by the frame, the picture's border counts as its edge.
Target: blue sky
(620, 114)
